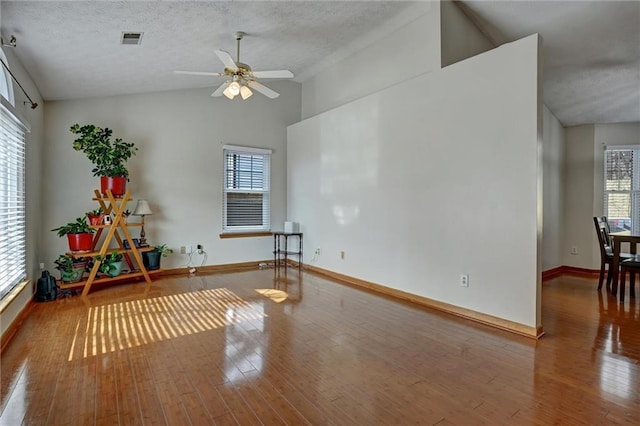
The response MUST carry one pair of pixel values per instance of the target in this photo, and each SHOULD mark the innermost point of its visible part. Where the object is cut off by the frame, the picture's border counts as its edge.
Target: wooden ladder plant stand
(114, 207)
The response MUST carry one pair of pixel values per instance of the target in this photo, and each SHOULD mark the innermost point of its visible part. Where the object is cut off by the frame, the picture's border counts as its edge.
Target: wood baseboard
(514, 327)
(227, 267)
(569, 270)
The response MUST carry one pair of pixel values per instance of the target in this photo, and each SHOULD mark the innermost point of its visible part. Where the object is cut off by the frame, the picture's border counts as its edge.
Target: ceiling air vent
(131, 38)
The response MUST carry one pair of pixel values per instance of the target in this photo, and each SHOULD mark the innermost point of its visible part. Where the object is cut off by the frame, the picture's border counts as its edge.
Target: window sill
(9, 297)
(246, 234)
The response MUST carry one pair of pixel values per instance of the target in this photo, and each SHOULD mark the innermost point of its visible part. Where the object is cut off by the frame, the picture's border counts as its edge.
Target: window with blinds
(622, 188)
(246, 189)
(13, 267)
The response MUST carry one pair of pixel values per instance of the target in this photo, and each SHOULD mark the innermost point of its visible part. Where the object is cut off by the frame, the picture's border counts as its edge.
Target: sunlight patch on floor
(124, 325)
(273, 294)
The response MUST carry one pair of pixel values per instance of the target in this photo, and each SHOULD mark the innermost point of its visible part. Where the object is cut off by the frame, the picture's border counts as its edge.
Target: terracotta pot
(80, 242)
(117, 185)
(95, 220)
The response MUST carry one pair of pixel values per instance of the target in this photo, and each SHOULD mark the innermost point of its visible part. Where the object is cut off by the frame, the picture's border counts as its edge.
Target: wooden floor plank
(211, 349)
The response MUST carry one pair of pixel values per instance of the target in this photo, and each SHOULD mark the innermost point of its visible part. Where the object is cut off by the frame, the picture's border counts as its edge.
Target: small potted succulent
(71, 269)
(95, 216)
(108, 157)
(79, 234)
(111, 264)
(151, 259)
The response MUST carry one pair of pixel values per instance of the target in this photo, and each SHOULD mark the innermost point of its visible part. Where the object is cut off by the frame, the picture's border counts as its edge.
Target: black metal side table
(281, 251)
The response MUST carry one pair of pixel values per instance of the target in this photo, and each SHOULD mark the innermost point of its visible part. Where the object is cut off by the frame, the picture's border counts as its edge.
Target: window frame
(265, 190)
(633, 192)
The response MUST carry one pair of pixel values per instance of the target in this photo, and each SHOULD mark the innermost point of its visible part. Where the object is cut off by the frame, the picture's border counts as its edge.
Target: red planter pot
(95, 220)
(117, 185)
(80, 242)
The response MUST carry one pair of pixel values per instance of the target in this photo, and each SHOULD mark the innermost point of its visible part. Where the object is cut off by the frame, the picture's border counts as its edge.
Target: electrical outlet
(464, 280)
(41, 266)
(574, 249)
(183, 250)
(318, 251)
(342, 255)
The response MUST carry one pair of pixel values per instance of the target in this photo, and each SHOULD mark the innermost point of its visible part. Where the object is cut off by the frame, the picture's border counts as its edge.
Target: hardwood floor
(227, 349)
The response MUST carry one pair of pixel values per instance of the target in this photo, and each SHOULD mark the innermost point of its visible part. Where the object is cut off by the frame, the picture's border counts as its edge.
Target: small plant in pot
(111, 264)
(108, 157)
(95, 216)
(151, 259)
(79, 234)
(71, 269)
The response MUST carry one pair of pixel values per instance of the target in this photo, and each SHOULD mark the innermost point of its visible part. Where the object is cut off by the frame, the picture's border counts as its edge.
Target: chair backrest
(604, 239)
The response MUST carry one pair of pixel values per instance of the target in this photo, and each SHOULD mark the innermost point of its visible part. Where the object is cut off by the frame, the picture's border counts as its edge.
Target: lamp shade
(245, 92)
(228, 94)
(234, 88)
(142, 208)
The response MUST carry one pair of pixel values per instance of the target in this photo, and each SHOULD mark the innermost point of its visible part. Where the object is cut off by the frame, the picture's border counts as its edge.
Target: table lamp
(142, 209)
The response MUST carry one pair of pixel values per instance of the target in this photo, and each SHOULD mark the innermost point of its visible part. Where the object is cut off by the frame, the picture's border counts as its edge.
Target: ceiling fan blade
(210, 74)
(226, 59)
(263, 89)
(273, 74)
(220, 89)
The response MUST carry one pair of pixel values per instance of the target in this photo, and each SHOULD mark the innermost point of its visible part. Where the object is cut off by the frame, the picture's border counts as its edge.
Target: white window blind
(622, 188)
(246, 189)
(12, 201)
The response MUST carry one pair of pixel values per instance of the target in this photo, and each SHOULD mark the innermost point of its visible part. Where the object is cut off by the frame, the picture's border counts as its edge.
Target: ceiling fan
(241, 78)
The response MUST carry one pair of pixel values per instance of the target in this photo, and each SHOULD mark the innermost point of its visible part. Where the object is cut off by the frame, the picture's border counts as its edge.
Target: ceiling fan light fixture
(234, 88)
(241, 80)
(227, 92)
(245, 92)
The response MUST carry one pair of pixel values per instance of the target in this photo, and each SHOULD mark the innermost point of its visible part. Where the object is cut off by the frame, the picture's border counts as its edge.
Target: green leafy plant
(66, 263)
(95, 212)
(163, 250)
(108, 157)
(107, 263)
(80, 226)
(71, 269)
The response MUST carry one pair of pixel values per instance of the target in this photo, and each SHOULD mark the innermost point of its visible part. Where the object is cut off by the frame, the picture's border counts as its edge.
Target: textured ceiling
(591, 53)
(72, 48)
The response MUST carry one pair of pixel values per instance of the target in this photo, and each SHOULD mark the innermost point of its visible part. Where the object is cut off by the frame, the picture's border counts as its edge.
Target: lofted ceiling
(72, 48)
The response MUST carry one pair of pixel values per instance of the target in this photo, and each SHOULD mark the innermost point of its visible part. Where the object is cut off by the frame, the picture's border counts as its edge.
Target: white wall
(405, 53)
(34, 117)
(429, 179)
(584, 186)
(553, 148)
(461, 39)
(178, 168)
(608, 134)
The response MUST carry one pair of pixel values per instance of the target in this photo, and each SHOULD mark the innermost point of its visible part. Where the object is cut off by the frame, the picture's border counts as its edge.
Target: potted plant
(111, 264)
(151, 259)
(79, 234)
(71, 269)
(95, 216)
(108, 157)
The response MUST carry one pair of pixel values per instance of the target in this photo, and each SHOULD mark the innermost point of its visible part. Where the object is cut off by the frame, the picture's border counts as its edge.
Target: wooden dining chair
(606, 250)
(632, 266)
